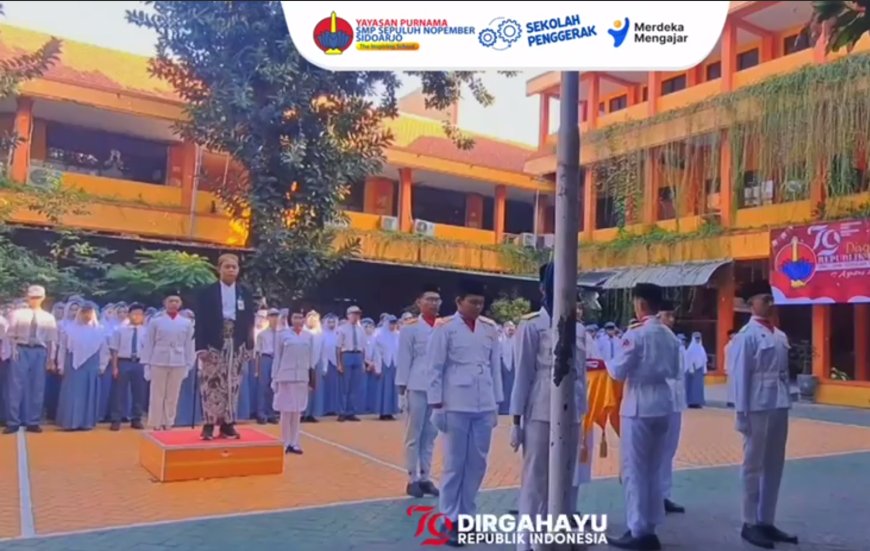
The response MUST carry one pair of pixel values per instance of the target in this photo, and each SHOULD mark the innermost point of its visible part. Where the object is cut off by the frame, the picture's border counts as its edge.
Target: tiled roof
(87, 65)
(105, 69)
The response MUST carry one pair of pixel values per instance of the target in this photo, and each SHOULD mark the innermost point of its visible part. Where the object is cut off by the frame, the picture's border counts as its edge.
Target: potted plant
(802, 358)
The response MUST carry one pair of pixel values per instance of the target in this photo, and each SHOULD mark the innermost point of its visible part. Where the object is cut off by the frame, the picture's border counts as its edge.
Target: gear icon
(509, 30)
(487, 38)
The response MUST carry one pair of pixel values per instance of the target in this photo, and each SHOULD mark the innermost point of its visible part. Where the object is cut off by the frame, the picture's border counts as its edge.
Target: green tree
(302, 134)
(847, 22)
(156, 274)
(505, 309)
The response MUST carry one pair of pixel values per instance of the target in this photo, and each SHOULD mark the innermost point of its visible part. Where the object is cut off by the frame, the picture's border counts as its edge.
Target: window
(796, 42)
(673, 85)
(619, 103)
(601, 109)
(99, 153)
(747, 59)
(714, 71)
(355, 199)
(644, 94)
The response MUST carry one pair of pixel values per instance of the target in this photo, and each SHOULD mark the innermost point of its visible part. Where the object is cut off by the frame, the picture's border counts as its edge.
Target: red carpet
(189, 437)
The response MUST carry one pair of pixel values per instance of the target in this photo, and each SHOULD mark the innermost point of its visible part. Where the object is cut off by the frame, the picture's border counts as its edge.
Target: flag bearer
(759, 365)
(412, 362)
(648, 358)
(678, 388)
(530, 401)
(128, 372)
(264, 354)
(32, 341)
(292, 377)
(464, 392)
(168, 355)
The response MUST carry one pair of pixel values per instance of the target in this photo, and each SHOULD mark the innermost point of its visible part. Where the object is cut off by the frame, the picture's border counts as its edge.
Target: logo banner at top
(436, 36)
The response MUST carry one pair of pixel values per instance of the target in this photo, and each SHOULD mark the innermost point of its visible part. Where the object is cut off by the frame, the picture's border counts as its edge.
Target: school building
(752, 164)
(433, 208)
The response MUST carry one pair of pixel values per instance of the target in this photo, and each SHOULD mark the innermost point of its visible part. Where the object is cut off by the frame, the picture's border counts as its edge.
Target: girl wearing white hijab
(696, 368)
(84, 355)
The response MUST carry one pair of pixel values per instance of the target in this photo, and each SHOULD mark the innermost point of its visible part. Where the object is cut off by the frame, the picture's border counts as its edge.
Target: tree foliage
(156, 274)
(505, 309)
(303, 135)
(846, 22)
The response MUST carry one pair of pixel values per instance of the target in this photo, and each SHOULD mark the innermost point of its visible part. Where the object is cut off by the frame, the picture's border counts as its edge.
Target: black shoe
(389, 418)
(116, 426)
(262, 421)
(35, 429)
(207, 432)
(229, 431)
(273, 420)
(353, 418)
(671, 507)
(305, 419)
(453, 540)
(137, 425)
(756, 536)
(312, 419)
(342, 419)
(514, 512)
(644, 543)
(291, 449)
(429, 488)
(10, 430)
(413, 489)
(778, 535)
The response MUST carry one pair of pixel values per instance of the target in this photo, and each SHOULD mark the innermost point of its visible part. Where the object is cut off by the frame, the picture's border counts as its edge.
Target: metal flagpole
(563, 456)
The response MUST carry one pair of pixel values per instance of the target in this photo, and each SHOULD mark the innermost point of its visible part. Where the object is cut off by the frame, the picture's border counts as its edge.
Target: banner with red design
(821, 263)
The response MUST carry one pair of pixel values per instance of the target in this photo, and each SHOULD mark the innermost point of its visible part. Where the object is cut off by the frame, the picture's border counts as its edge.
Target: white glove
(403, 402)
(147, 372)
(517, 437)
(439, 419)
(742, 424)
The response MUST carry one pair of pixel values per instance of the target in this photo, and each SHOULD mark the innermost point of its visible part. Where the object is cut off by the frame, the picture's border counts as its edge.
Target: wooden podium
(172, 456)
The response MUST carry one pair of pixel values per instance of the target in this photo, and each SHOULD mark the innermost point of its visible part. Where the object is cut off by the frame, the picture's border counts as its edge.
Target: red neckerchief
(469, 323)
(172, 315)
(297, 331)
(429, 319)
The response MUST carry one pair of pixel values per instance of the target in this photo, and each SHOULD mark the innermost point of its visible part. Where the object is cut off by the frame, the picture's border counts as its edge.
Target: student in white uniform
(31, 344)
(759, 364)
(292, 377)
(412, 361)
(649, 357)
(464, 392)
(583, 470)
(168, 355)
(351, 353)
(678, 387)
(507, 341)
(530, 402)
(264, 354)
(126, 345)
(729, 380)
(608, 342)
(386, 347)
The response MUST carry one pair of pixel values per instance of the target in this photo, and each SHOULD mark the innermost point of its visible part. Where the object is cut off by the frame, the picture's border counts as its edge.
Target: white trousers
(763, 462)
(466, 442)
(672, 443)
(642, 453)
(290, 428)
(534, 486)
(583, 471)
(163, 403)
(420, 436)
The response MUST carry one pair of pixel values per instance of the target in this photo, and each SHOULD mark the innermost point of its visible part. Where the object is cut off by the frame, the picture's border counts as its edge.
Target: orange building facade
(433, 205)
(690, 171)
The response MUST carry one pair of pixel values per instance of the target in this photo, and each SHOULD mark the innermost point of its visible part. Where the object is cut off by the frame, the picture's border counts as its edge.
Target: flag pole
(563, 455)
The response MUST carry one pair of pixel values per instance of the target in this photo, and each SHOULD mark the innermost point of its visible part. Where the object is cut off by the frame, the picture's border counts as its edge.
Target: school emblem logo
(333, 35)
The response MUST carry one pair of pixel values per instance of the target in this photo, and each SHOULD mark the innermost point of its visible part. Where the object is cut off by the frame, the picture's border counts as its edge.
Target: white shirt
(264, 344)
(346, 338)
(412, 360)
(228, 301)
(169, 343)
(295, 357)
(465, 368)
(758, 363)
(19, 329)
(121, 341)
(507, 351)
(650, 356)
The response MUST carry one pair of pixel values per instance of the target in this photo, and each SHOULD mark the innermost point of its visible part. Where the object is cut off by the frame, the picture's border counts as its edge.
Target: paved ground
(345, 492)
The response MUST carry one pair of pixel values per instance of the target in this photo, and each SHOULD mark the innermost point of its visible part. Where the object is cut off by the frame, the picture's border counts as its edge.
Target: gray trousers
(26, 389)
(763, 462)
(420, 436)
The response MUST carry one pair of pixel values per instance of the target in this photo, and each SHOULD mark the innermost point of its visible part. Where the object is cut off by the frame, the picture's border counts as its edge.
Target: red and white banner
(822, 263)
